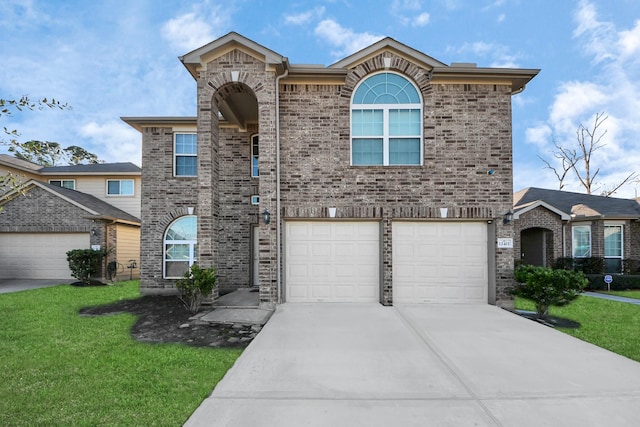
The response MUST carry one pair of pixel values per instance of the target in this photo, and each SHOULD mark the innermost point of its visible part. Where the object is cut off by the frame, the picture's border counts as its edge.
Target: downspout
(279, 220)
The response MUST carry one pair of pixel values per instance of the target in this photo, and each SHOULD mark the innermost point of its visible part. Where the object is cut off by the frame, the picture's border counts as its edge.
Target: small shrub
(84, 263)
(546, 287)
(196, 285)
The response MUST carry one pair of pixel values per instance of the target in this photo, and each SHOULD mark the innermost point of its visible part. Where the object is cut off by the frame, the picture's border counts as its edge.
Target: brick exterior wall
(542, 218)
(165, 198)
(467, 132)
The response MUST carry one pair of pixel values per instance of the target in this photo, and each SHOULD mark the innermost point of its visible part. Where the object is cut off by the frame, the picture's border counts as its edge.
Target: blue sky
(116, 58)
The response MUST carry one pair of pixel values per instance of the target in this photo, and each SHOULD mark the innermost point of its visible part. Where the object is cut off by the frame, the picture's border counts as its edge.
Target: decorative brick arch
(421, 77)
(170, 217)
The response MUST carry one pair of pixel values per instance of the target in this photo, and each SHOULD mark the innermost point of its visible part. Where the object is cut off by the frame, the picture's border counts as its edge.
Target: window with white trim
(254, 156)
(386, 122)
(185, 149)
(613, 248)
(119, 187)
(64, 183)
(255, 200)
(581, 241)
(180, 247)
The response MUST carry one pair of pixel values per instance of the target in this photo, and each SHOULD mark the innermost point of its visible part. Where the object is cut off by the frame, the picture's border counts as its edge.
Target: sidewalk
(612, 297)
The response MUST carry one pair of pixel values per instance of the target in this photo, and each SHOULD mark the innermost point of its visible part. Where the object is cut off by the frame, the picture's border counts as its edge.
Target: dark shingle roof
(93, 203)
(578, 204)
(127, 167)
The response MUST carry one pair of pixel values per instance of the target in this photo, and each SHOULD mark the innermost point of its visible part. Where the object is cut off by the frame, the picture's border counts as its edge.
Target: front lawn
(60, 368)
(627, 294)
(608, 324)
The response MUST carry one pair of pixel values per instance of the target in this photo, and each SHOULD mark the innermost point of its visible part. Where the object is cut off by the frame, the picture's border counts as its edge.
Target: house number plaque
(505, 243)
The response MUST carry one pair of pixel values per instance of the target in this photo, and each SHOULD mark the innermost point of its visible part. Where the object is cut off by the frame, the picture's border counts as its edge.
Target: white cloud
(629, 42)
(344, 40)
(187, 32)
(596, 36)
(421, 20)
(194, 29)
(408, 12)
(499, 55)
(573, 102)
(539, 135)
(305, 18)
(112, 139)
(613, 92)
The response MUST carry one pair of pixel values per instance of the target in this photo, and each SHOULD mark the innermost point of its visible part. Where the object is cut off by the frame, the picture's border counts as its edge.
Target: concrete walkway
(415, 365)
(612, 297)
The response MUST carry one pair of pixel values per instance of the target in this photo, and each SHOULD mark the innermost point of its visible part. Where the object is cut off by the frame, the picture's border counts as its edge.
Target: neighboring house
(381, 178)
(552, 224)
(69, 207)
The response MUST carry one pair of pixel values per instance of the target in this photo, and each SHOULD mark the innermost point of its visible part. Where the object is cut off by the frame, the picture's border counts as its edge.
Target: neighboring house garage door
(440, 262)
(332, 261)
(38, 255)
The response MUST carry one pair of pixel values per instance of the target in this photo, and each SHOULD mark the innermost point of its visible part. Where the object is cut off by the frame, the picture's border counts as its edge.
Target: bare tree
(568, 159)
(579, 159)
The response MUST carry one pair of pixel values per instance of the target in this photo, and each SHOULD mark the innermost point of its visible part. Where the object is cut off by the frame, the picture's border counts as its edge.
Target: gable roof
(388, 44)
(122, 168)
(95, 207)
(19, 164)
(199, 57)
(461, 73)
(577, 205)
(126, 168)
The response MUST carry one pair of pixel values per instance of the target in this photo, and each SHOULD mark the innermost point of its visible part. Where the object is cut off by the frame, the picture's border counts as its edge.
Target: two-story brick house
(384, 177)
(60, 208)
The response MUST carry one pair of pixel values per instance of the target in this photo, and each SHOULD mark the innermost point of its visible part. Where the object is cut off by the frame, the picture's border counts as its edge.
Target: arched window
(180, 251)
(386, 122)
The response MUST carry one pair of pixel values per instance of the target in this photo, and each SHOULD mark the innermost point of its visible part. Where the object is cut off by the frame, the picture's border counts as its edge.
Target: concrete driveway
(420, 365)
(15, 285)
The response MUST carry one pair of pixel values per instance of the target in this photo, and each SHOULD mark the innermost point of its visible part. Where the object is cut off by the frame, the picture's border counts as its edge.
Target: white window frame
(573, 240)
(192, 249)
(255, 154)
(385, 120)
(621, 257)
(255, 200)
(120, 181)
(176, 155)
(62, 181)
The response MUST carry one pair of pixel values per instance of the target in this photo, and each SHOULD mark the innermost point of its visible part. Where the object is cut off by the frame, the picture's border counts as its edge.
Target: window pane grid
(581, 241)
(186, 143)
(404, 151)
(613, 241)
(367, 123)
(367, 151)
(387, 129)
(186, 154)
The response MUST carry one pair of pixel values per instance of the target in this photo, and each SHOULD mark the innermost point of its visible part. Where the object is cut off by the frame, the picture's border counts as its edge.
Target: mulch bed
(164, 319)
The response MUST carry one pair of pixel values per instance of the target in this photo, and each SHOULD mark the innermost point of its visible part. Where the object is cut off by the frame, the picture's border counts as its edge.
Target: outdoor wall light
(508, 217)
(266, 215)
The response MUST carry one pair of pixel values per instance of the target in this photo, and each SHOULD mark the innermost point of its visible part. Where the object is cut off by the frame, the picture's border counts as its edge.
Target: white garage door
(332, 261)
(441, 262)
(38, 255)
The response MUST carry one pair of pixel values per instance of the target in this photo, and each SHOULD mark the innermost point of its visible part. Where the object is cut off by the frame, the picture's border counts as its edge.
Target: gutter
(278, 210)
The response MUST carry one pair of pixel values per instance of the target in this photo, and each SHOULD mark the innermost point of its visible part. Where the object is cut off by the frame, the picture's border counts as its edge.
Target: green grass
(63, 369)
(607, 324)
(628, 294)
